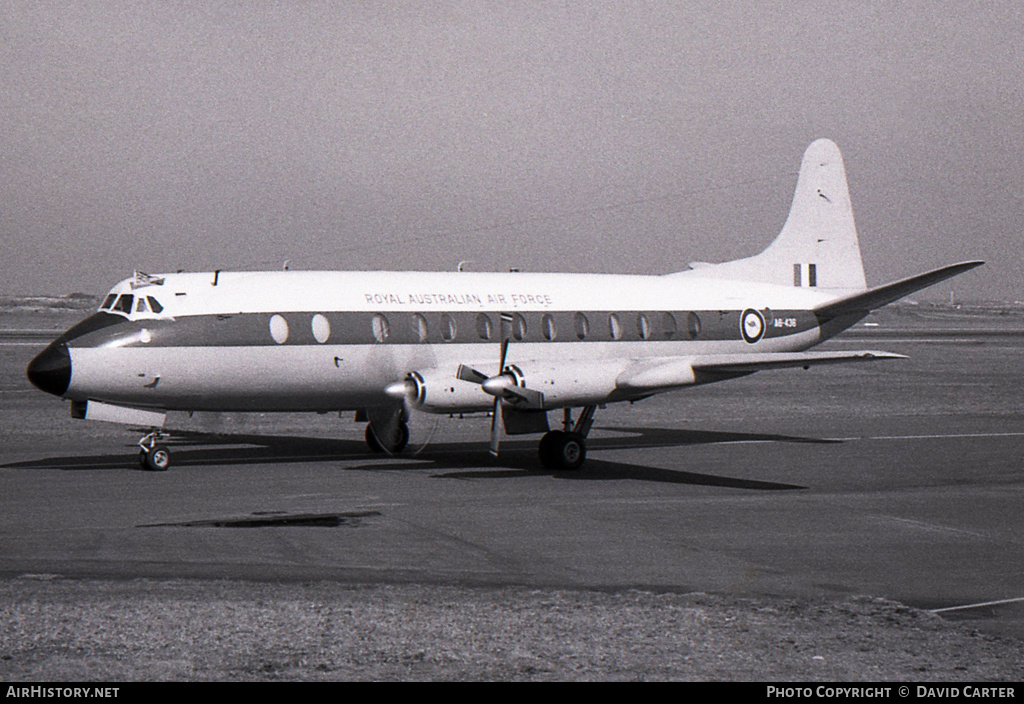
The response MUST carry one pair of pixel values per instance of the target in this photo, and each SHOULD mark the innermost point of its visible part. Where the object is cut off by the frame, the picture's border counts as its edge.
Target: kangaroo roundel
(752, 325)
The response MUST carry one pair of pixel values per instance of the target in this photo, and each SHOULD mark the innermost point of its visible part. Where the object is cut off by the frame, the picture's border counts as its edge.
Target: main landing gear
(153, 454)
(559, 450)
(566, 450)
(396, 445)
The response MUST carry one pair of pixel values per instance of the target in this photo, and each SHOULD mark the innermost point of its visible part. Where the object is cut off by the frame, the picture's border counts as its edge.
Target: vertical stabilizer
(818, 245)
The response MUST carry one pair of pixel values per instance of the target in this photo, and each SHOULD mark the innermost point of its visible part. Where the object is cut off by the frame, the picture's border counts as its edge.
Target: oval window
(693, 325)
(484, 327)
(321, 328)
(518, 327)
(582, 326)
(380, 327)
(279, 329)
(419, 327)
(614, 326)
(447, 327)
(643, 326)
(547, 325)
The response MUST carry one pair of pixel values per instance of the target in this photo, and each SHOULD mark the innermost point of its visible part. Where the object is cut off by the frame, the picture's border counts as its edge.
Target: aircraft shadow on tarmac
(455, 460)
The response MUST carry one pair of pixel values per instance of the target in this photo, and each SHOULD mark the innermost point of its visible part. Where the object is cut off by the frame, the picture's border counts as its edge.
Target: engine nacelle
(437, 391)
(575, 383)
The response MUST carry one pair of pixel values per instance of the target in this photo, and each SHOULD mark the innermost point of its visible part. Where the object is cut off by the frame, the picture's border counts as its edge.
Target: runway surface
(897, 479)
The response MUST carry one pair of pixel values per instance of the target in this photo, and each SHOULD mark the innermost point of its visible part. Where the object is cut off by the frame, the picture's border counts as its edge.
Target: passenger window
(643, 326)
(582, 326)
(448, 329)
(321, 328)
(614, 326)
(380, 327)
(693, 325)
(279, 329)
(154, 305)
(484, 327)
(419, 327)
(547, 324)
(518, 327)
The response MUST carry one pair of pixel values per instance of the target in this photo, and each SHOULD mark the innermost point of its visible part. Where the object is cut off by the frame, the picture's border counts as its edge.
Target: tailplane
(818, 246)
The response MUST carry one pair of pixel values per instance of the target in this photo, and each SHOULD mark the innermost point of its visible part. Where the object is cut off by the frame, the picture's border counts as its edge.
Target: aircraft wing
(758, 361)
(875, 298)
(665, 374)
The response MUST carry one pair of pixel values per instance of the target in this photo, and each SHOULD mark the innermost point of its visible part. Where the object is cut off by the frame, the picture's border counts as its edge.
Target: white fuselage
(319, 341)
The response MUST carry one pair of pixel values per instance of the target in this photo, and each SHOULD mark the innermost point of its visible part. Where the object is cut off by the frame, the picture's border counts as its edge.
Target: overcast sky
(619, 137)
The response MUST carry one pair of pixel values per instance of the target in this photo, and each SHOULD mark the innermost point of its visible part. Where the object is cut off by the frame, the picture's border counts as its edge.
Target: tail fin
(818, 245)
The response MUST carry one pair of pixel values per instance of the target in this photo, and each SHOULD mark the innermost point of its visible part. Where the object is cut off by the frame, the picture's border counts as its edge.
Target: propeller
(503, 386)
(408, 392)
(497, 390)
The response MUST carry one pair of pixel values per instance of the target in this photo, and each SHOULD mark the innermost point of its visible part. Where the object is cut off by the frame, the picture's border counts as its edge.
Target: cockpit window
(141, 306)
(108, 301)
(154, 305)
(124, 303)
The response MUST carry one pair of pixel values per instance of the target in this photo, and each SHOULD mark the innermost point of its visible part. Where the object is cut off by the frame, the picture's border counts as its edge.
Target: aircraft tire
(371, 440)
(375, 445)
(157, 459)
(562, 451)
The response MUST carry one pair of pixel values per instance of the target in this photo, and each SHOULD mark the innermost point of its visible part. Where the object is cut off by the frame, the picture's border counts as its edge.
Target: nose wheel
(153, 454)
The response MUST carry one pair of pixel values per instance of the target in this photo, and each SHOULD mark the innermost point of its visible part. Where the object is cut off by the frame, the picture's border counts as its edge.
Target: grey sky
(619, 137)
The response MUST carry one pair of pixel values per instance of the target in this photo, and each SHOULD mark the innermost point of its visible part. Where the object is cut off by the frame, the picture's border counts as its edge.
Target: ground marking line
(979, 605)
(930, 437)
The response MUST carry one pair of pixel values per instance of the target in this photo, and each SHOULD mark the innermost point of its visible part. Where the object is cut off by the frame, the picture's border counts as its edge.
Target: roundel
(752, 325)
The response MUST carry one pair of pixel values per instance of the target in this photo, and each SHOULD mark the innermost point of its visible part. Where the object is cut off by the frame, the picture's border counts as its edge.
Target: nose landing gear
(153, 454)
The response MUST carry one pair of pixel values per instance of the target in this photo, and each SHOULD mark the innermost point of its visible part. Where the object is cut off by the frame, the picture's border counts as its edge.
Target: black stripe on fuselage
(428, 327)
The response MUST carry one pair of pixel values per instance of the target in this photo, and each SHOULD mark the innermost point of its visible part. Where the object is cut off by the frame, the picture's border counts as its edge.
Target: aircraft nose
(50, 370)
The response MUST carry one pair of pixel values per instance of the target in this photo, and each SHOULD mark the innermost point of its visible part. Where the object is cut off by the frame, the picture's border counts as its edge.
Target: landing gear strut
(153, 454)
(566, 449)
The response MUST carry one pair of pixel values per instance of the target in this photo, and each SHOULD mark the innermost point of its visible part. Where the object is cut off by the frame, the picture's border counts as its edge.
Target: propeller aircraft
(518, 345)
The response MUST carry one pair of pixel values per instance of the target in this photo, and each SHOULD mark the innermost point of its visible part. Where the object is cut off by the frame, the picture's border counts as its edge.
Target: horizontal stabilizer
(875, 298)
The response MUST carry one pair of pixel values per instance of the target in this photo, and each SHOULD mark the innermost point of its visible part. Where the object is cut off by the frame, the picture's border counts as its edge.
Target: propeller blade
(495, 429)
(504, 354)
(532, 399)
(496, 415)
(469, 374)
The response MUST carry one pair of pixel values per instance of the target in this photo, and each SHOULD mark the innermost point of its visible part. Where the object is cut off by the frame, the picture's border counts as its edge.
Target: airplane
(517, 345)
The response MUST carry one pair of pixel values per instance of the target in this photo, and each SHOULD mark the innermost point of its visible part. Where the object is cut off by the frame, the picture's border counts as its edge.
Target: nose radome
(50, 370)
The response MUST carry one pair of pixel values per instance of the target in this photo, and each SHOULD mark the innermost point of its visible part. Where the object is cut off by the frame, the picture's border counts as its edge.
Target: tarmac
(898, 479)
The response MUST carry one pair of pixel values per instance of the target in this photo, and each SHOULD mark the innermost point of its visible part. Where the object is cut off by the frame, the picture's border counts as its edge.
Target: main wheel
(375, 444)
(560, 450)
(156, 459)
